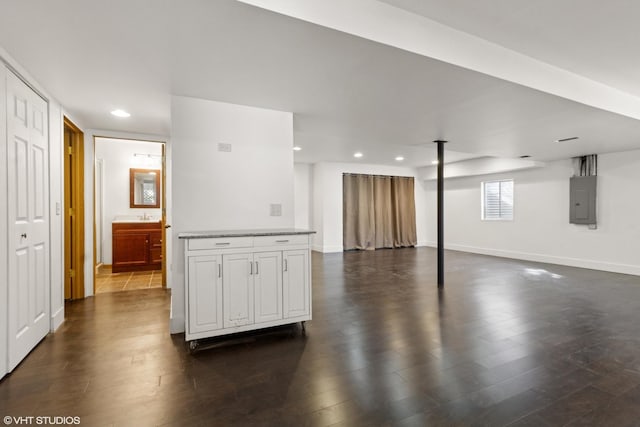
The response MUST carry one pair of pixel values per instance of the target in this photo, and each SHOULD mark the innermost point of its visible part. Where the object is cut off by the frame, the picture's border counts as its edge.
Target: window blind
(497, 200)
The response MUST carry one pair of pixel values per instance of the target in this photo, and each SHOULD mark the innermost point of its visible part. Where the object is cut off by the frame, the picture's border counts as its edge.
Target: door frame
(163, 204)
(4, 274)
(74, 236)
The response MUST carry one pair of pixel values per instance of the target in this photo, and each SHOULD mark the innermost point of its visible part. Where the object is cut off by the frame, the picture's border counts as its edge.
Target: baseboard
(176, 325)
(326, 249)
(57, 319)
(549, 259)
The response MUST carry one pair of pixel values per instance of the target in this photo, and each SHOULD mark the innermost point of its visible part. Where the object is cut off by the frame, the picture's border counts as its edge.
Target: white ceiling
(348, 94)
(597, 39)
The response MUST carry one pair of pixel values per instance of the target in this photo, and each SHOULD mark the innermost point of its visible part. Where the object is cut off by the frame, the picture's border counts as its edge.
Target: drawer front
(220, 243)
(155, 256)
(294, 239)
(156, 238)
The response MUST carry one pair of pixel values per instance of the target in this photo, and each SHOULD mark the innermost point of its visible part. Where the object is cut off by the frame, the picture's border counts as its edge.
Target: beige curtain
(378, 212)
(358, 213)
(404, 211)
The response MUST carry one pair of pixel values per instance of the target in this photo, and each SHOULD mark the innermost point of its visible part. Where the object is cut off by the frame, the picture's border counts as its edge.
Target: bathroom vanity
(137, 246)
(238, 281)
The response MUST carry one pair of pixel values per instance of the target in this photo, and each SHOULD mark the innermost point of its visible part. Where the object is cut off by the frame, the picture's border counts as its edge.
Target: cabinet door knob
(285, 265)
(257, 272)
(23, 235)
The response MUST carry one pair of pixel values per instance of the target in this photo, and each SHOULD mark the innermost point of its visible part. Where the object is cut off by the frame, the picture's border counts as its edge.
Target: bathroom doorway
(129, 215)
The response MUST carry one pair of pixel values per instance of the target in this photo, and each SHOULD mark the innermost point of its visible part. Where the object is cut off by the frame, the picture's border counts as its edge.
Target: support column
(440, 212)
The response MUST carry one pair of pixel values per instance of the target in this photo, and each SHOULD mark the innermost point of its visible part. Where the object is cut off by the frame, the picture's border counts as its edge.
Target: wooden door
(204, 281)
(237, 293)
(28, 218)
(73, 211)
(267, 286)
(295, 283)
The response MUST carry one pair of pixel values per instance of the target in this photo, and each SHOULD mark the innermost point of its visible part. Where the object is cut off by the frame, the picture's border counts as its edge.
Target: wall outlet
(226, 148)
(276, 209)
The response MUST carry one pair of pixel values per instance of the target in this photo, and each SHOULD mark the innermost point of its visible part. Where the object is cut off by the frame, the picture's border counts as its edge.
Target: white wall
(226, 190)
(118, 157)
(540, 230)
(302, 190)
(327, 201)
(56, 206)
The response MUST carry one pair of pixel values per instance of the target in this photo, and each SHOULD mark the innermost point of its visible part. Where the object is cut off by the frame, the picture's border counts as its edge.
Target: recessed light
(567, 139)
(120, 113)
(399, 158)
(296, 148)
(357, 155)
(435, 162)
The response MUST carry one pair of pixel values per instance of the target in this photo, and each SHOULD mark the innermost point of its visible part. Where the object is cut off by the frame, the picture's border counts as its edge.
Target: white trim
(549, 259)
(331, 249)
(57, 319)
(4, 321)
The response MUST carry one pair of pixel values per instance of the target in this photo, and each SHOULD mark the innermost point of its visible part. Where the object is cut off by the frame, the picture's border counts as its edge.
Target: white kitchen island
(242, 280)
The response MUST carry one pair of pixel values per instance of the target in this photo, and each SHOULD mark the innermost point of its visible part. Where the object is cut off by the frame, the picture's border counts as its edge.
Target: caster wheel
(193, 345)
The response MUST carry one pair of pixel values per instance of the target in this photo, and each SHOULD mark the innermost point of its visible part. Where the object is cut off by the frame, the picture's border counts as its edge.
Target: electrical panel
(582, 200)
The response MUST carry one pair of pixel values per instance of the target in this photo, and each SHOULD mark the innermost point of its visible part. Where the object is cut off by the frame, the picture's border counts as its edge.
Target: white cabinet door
(237, 276)
(296, 289)
(28, 218)
(267, 286)
(205, 293)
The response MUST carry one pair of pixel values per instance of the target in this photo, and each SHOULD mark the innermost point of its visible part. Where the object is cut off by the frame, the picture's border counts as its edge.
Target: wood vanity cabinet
(137, 246)
(245, 282)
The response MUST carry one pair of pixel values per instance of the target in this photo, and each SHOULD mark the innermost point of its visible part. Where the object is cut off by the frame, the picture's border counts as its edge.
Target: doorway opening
(129, 207)
(73, 211)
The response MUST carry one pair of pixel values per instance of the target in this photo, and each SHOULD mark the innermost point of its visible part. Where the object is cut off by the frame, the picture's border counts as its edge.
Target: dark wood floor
(506, 343)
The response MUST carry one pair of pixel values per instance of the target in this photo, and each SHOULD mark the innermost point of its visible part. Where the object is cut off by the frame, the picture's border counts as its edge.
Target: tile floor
(106, 281)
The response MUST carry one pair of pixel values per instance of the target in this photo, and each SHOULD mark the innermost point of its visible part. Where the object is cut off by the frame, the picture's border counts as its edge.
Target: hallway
(506, 342)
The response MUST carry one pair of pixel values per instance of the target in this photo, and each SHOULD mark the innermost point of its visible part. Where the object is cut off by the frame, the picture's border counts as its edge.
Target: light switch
(57, 208)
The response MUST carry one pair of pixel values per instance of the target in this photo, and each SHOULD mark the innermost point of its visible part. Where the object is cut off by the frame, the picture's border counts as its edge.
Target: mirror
(144, 188)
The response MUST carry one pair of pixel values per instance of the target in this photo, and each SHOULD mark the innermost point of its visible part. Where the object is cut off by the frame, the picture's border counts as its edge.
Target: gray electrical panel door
(582, 199)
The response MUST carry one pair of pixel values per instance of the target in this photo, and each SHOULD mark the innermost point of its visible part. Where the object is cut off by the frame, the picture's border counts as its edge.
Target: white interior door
(28, 219)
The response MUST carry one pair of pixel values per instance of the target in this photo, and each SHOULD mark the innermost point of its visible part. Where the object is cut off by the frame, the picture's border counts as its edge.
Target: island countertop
(243, 233)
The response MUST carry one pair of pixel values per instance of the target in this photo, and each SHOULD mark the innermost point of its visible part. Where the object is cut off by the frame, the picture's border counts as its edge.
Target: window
(497, 200)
